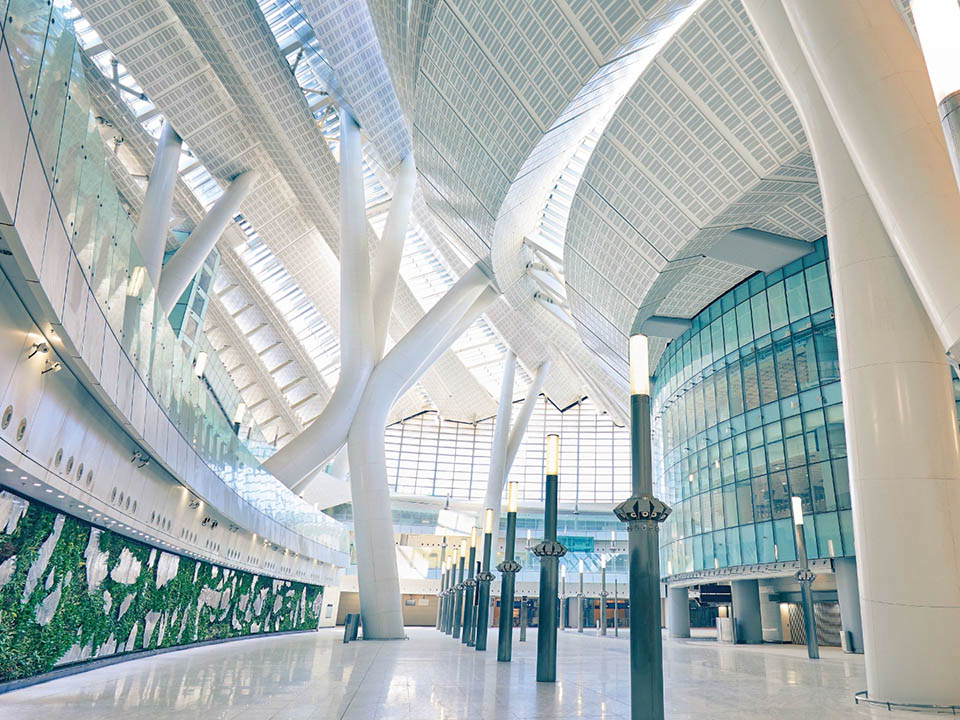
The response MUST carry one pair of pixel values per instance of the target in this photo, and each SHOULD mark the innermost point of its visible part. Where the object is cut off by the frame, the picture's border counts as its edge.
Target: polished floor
(432, 677)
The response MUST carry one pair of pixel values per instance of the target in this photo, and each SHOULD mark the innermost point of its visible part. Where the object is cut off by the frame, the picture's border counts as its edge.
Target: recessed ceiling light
(23, 477)
(36, 484)
(60, 496)
(80, 506)
(8, 469)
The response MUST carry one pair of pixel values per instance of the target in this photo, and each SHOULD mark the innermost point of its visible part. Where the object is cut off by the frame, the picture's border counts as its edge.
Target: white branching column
(496, 481)
(311, 449)
(189, 258)
(370, 385)
(372, 522)
(151, 235)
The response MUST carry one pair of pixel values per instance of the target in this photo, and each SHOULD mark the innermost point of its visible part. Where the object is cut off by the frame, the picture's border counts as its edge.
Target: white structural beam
(377, 575)
(875, 84)
(526, 412)
(898, 405)
(386, 268)
(187, 261)
(310, 450)
(151, 234)
(481, 304)
(497, 473)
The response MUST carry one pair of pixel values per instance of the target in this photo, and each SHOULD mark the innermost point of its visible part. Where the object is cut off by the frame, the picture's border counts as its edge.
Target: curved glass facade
(747, 413)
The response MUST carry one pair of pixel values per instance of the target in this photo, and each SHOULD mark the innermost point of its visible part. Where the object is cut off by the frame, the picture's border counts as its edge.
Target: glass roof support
(187, 261)
(151, 236)
(296, 462)
(377, 575)
(497, 474)
(386, 268)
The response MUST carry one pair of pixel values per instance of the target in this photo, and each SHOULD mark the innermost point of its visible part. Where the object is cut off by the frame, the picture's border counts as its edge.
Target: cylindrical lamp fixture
(553, 454)
(488, 521)
(796, 505)
(639, 365)
(513, 496)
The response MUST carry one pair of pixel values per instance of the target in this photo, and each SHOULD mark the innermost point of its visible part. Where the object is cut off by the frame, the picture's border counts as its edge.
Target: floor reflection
(315, 677)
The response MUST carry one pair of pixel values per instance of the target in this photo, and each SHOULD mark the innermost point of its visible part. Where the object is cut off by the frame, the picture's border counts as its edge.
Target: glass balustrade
(48, 66)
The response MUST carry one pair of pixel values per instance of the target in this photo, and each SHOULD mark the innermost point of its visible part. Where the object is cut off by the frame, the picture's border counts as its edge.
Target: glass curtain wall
(747, 413)
(427, 455)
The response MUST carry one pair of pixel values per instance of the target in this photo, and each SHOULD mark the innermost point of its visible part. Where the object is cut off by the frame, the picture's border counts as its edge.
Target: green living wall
(71, 592)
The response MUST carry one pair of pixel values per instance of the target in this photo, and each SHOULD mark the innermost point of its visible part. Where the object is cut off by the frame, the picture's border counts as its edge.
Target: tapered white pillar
(312, 448)
(497, 472)
(875, 84)
(526, 411)
(151, 234)
(377, 577)
(187, 261)
(386, 266)
(900, 420)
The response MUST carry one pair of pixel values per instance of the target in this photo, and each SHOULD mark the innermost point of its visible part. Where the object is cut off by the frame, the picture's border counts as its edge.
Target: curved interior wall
(68, 249)
(72, 592)
(57, 443)
(747, 413)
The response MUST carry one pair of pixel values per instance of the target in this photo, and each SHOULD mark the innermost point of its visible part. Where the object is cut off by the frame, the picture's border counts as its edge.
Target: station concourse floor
(430, 676)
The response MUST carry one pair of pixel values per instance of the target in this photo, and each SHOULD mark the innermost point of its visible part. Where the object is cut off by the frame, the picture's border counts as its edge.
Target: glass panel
(24, 33)
(818, 287)
(777, 299)
(52, 91)
(797, 297)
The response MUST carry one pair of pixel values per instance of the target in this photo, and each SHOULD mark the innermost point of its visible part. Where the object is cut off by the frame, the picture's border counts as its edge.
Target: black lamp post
(805, 576)
(484, 579)
(643, 513)
(549, 551)
(508, 578)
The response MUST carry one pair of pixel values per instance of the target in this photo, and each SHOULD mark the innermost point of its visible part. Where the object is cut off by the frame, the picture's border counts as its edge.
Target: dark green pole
(448, 601)
(603, 597)
(616, 608)
(508, 580)
(549, 551)
(469, 584)
(472, 640)
(523, 618)
(643, 514)
(442, 611)
(805, 576)
(442, 595)
(458, 603)
(484, 578)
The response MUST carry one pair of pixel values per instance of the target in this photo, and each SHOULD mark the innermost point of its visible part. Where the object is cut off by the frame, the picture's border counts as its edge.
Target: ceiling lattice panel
(706, 141)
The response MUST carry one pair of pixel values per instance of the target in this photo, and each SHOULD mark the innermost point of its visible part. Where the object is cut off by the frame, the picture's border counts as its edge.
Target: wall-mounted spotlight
(38, 347)
(51, 366)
